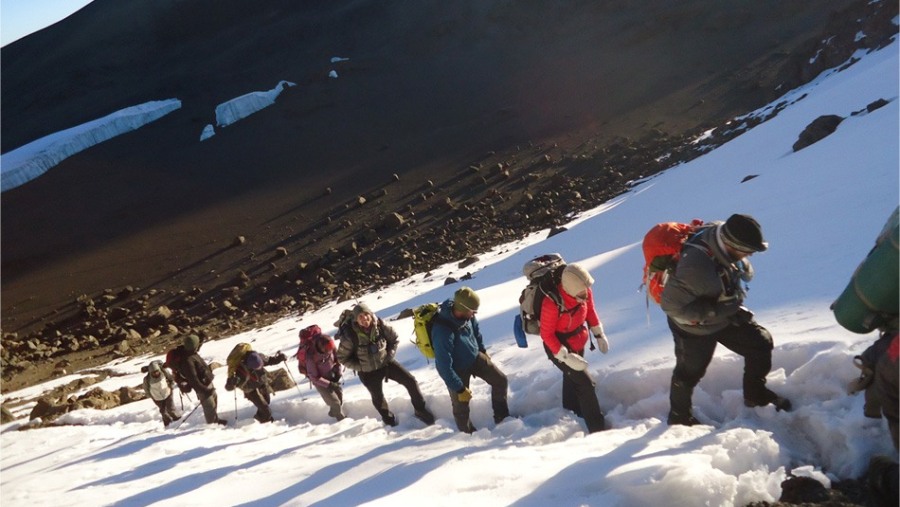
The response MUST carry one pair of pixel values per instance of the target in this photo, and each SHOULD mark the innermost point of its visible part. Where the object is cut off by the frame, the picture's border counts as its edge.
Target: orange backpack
(662, 247)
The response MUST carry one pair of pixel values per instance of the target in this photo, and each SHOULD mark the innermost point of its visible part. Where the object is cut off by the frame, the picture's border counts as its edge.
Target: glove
(280, 357)
(602, 340)
(335, 385)
(229, 384)
(571, 360)
(741, 317)
(746, 269)
(465, 395)
(185, 388)
(336, 372)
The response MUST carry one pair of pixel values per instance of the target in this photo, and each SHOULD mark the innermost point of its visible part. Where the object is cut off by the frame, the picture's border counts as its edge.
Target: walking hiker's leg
(461, 412)
(210, 404)
(396, 372)
(263, 413)
(373, 381)
(692, 356)
(754, 343)
(586, 396)
(486, 370)
(332, 400)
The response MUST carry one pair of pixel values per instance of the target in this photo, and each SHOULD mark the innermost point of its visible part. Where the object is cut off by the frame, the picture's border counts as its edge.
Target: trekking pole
(235, 406)
(284, 363)
(181, 398)
(186, 418)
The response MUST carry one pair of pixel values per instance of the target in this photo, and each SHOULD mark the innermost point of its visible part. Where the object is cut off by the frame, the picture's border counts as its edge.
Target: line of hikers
(701, 291)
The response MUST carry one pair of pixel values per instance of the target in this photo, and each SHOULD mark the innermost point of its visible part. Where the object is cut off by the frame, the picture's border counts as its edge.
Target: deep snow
(820, 208)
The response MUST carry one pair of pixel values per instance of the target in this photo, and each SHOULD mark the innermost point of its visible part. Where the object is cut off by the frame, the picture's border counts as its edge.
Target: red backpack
(662, 248)
(308, 336)
(174, 360)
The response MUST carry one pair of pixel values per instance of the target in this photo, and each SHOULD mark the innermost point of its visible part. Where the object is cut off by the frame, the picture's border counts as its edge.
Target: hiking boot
(676, 419)
(425, 416)
(390, 420)
(881, 480)
(767, 397)
(223, 422)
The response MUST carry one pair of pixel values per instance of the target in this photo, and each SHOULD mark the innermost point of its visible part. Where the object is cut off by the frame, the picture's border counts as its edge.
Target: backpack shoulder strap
(549, 285)
(456, 330)
(346, 331)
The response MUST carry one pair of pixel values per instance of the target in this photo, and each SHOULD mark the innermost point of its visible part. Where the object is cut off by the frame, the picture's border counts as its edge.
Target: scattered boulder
(803, 490)
(281, 380)
(6, 416)
(819, 129)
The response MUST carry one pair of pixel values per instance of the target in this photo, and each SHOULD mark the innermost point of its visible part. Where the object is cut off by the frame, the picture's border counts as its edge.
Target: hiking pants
(693, 353)
(333, 397)
(484, 369)
(394, 371)
(210, 404)
(579, 395)
(167, 410)
(260, 398)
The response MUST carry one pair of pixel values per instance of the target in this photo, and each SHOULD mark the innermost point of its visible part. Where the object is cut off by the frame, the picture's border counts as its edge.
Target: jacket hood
(154, 367)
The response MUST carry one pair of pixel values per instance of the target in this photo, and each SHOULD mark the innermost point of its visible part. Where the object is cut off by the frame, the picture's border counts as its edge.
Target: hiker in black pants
(704, 303)
(196, 376)
(368, 346)
(567, 315)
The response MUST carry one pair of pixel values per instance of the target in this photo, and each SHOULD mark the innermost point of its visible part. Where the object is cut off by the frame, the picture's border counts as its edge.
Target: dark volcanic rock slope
(493, 118)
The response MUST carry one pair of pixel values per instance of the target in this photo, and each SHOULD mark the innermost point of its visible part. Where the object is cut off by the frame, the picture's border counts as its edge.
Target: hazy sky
(19, 18)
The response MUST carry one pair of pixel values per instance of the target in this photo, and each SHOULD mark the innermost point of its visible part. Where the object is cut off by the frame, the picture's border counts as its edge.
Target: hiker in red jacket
(565, 336)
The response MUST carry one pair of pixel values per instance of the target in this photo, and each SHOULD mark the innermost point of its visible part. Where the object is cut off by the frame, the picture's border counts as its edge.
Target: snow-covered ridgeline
(37, 157)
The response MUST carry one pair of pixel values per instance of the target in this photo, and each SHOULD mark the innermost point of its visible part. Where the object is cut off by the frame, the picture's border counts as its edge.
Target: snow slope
(820, 208)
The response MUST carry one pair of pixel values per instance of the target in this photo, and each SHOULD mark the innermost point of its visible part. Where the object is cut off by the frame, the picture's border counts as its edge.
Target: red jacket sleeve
(592, 318)
(549, 319)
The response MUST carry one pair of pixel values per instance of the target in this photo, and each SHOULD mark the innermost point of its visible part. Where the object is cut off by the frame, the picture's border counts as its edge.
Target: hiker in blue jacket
(459, 354)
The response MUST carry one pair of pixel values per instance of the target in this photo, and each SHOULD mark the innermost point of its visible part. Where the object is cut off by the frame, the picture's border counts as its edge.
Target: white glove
(571, 360)
(602, 340)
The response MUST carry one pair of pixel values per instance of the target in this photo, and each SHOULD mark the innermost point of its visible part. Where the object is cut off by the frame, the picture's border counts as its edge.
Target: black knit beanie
(743, 233)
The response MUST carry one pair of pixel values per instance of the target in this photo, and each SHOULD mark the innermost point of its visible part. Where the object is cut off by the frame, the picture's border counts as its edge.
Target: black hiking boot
(676, 419)
(767, 397)
(390, 420)
(425, 416)
(882, 481)
(223, 422)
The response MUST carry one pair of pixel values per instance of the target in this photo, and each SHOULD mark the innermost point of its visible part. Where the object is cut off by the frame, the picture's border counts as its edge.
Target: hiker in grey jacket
(368, 345)
(704, 302)
(158, 384)
(459, 355)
